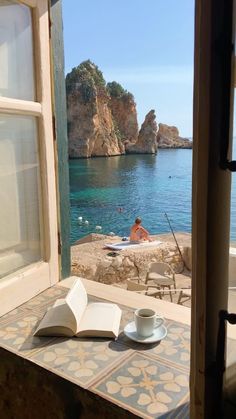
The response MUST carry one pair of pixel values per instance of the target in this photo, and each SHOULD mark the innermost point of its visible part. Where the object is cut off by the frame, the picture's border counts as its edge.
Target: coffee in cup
(146, 320)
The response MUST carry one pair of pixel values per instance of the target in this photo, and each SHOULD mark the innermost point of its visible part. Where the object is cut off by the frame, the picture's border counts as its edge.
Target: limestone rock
(102, 119)
(147, 138)
(124, 113)
(91, 130)
(93, 261)
(168, 137)
(187, 256)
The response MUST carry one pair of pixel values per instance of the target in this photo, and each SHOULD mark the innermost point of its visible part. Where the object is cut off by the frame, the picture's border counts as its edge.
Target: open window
(28, 213)
(212, 166)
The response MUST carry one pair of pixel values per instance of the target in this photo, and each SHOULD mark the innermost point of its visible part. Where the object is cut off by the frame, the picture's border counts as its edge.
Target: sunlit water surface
(142, 185)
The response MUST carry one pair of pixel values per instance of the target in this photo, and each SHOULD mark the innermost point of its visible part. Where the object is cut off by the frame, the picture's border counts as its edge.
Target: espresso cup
(146, 320)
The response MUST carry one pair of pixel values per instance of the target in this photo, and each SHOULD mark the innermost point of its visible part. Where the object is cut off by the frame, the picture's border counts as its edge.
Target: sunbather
(138, 233)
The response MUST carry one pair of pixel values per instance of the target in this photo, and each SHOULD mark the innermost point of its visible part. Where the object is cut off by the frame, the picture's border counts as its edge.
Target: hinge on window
(59, 242)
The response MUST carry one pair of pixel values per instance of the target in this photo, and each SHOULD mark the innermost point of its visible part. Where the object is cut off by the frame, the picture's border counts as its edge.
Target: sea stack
(168, 137)
(147, 138)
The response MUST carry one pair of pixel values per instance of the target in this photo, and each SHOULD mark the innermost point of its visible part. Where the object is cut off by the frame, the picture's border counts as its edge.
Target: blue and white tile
(81, 360)
(145, 386)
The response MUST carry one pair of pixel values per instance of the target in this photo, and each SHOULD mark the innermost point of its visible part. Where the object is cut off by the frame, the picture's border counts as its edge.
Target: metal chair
(151, 291)
(186, 293)
(162, 275)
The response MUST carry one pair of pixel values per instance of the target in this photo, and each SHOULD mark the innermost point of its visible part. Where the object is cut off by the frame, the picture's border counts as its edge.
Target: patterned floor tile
(37, 305)
(175, 347)
(45, 300)
(11, 315)
(145, 386)
(81, 360)
(17, 334)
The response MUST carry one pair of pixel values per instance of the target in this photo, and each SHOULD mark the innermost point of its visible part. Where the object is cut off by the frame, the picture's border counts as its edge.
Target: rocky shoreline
(92, 260)
(102, 119)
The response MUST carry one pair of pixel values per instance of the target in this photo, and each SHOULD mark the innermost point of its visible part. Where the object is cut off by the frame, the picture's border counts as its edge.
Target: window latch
(228, 165)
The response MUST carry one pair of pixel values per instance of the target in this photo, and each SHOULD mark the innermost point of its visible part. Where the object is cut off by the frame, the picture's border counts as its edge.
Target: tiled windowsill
(125, 378)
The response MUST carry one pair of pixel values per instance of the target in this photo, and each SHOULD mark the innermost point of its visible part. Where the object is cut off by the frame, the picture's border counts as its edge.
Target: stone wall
(93, 261)
(29, 391)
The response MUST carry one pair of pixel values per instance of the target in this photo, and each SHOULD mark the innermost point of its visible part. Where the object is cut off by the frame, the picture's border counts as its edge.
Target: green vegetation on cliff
(117, 91)
(87, 78)
(102, 117)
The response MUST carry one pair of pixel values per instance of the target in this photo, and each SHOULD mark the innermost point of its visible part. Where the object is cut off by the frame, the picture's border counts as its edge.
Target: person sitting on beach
(138, 233)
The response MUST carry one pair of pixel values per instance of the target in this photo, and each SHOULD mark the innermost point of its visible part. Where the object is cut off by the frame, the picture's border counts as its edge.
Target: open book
(73, 316)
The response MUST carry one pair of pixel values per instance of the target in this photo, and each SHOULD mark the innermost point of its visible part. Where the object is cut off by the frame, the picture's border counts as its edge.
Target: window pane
(20, 242)
(16, 51)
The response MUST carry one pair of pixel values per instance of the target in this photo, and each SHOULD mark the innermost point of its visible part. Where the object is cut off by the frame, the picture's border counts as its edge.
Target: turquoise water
(142, 185)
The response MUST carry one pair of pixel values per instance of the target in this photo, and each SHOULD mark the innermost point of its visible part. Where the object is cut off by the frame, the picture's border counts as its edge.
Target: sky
(145, 45)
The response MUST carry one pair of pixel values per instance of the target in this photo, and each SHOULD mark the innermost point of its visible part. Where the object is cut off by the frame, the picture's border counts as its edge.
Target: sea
(107, 194)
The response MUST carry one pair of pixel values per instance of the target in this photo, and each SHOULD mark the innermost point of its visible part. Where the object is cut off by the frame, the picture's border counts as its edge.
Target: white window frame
(27, 282)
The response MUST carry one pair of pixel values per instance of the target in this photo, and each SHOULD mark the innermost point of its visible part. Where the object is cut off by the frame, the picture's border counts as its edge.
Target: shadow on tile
(33, 343)
(122, 338)
(181, 412)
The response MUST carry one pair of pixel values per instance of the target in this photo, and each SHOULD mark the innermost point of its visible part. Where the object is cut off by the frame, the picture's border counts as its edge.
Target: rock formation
(147, 138)
(91, 130)
(168, 137)
(124, 113)
(102, 119)
(93, 261)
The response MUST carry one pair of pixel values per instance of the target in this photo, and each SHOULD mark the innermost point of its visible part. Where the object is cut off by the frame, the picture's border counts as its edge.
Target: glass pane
(16, 51)
(20, 234)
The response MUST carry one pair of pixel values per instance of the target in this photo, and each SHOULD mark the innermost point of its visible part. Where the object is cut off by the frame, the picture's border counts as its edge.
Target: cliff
(102, 119)
(91, 130)
(147, 138)
(124, 113)
(168, 137)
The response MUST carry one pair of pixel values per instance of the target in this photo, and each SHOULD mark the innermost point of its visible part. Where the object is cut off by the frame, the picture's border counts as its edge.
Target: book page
(77, 300)
(100, 319)
(63, 318)
(59, 320)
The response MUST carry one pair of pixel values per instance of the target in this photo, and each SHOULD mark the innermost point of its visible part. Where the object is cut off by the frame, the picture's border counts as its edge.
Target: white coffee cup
(146, 320)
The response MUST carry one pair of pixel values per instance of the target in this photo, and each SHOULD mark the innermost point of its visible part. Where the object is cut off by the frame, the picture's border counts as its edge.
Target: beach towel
(132, 245)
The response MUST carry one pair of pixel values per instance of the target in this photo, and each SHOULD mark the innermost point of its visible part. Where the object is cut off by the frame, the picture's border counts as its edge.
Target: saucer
(158, 334)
